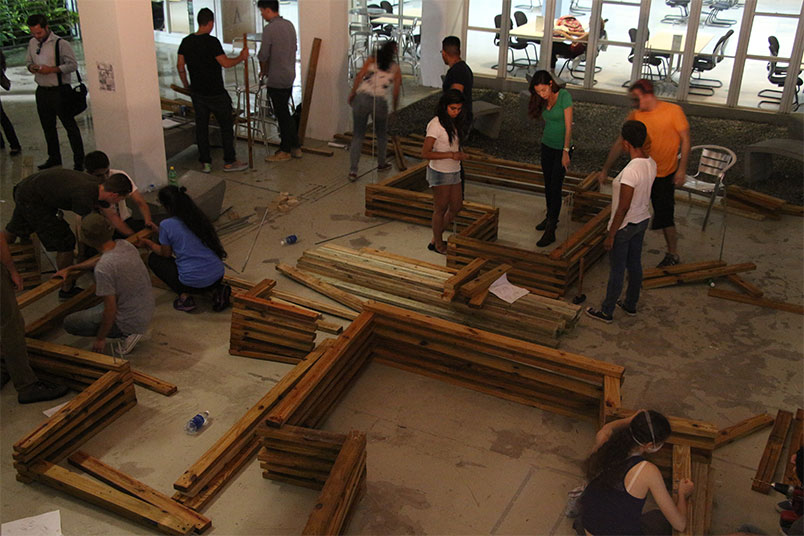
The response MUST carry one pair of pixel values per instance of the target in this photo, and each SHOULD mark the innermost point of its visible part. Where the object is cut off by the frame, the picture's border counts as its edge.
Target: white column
(128, 120)
(440, 18)
(329, 21)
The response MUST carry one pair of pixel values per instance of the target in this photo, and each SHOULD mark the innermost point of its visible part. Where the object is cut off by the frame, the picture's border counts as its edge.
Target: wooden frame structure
(404, 197)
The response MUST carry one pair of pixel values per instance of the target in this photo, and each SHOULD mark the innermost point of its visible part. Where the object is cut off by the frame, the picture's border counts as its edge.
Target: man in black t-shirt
(40, 197)
(203, 55)
(459, 76)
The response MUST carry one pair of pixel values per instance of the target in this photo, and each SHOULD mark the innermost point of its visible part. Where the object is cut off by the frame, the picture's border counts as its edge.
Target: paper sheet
(52, 411)
(504, 290)
(170, 123)
(48, 524)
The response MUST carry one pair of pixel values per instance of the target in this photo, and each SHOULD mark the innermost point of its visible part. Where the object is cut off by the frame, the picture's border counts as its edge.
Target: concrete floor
(441, 459)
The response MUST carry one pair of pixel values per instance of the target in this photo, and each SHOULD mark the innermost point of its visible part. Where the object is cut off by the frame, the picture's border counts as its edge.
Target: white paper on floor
(52, 411)
(504, 290)
(48, 524)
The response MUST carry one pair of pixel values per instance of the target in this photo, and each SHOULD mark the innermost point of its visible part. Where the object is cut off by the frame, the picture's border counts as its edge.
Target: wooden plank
(309, 84)
(154, 384)
(759, 302)
(749, 288)
(316, 305)
(796, 437)
(134, 487)
(465, 274)
(681, 268)
(481, 283)
(319, 286)
(83, 300)
(682, 468)
(772, 452)
(579, 235)
(108, 498)
(477, 301)
(742, 429)
(701, 499)
(329, 327)
(612, 399)
(76, 356)
(261, 289)
(698, 276)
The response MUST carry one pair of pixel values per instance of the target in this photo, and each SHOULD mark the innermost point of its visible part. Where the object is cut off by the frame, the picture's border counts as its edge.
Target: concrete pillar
(127, 120)
(440, 18)
(329, 21)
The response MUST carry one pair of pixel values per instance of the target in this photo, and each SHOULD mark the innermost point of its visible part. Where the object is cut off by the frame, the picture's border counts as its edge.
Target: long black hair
(607, 461)
(180, 205)
(537, 104)
(454, 127)
(386, 54)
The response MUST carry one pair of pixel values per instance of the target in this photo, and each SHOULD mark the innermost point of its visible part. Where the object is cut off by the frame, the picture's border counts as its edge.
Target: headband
(650, 427)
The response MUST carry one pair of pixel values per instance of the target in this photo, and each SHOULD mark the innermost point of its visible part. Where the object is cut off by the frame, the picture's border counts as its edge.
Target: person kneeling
(122, 280)
(189, 256)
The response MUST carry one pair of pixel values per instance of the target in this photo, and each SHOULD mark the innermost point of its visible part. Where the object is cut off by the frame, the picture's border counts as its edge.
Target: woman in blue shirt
(552, 103)
(189, 255)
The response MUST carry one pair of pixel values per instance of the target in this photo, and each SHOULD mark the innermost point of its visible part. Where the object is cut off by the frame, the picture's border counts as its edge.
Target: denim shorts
(438, 178)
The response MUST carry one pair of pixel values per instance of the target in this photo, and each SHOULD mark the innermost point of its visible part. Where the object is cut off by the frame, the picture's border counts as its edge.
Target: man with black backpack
(51, 60)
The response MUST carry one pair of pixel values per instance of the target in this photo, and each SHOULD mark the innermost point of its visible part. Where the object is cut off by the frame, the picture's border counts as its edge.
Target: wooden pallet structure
(413, 284)
(27, 259)
(784, 424)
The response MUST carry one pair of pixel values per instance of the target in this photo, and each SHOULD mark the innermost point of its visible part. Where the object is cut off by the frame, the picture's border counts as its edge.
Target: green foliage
(14, 13)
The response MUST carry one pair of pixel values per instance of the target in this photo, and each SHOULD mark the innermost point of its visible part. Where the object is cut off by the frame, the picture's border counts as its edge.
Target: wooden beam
(84, 299)
(742, 429)
(316, 284)
(796, 437)
(154, 384)
(309, 84)
(682, 468)
(749, 288)
(698, 276)
(465, 274)
(759, 302)
(482, 282)
(772, 452)
(612, 399)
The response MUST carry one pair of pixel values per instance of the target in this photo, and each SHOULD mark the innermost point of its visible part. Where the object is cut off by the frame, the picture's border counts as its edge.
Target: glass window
(757, 87)
(789, 7)
(763, 27)
(481, 52)
(616, 52)
(482, 12)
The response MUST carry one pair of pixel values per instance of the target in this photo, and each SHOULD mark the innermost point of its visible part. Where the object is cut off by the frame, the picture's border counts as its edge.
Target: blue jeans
(86, 323)
(626, 254)
(363, 106)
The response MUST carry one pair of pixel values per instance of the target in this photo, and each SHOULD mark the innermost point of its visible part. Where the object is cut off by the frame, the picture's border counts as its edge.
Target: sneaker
(542, 225)
(573, 508)
(296, 153)
(279, 156)
(237, 165)
(206, 168)
(221, 297)
(352, 177)
(126, 345)
(784, 505)
(65, 295)
(628, 310)
(49, 164)
(41, 391)
(669, 260)
(187, 304)
(598, 315)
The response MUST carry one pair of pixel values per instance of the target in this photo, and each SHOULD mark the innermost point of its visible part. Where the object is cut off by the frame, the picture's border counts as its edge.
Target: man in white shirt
(630, 214)
(52, 72)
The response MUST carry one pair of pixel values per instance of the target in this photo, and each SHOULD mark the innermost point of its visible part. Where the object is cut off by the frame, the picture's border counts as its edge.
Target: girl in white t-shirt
(442, 147)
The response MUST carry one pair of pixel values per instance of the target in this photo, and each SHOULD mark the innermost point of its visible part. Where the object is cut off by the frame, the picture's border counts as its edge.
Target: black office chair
(702, 63)
(682, 5)
(521, 19)
(514, 63)
(777, 75)
(380, 31)
(386, 5)
(650, 61)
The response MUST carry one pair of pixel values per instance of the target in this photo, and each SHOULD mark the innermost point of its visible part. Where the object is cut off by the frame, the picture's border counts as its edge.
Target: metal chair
(650, 60)
(777, 75)
(706, 62)
(716, 7)
(714, 162)
(681, 5)
(578, 9)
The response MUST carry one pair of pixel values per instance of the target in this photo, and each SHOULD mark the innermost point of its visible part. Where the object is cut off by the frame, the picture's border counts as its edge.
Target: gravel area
(596, 128)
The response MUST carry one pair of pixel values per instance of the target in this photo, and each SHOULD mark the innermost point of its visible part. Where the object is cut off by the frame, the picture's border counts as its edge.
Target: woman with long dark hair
(552, 103)
(368, 98)
(189, 255)
(620, 478)
(442, 147)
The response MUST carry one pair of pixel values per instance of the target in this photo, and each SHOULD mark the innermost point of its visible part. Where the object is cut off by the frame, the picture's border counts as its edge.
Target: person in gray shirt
(52, 88)
(278, 71)
(122, 280)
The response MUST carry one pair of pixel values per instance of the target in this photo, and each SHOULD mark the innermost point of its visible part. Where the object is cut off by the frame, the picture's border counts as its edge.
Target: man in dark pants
(203, 55)
(459, 76)
(53, 82)
(40, 197)
(8, 129)
(278, 71)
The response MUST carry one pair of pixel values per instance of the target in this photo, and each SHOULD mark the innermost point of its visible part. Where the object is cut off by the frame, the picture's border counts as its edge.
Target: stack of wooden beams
(511, 369)
(28, 261)
(397, 199)
(81, 418)
(264, 329)
(79, 368)
(313, 398)
(299, 456)
(768, 206)
(419, 286)
(471, 286)
(343, 489)
(766, 471)
(691, 273)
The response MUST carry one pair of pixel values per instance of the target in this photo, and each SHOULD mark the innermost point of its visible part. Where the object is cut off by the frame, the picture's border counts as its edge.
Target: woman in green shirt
(554, 105)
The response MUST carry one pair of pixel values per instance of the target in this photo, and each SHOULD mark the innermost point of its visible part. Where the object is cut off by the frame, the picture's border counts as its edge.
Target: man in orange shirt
(668, 131)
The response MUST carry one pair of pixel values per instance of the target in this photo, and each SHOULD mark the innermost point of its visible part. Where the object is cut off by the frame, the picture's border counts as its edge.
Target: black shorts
(662, 197)
(54, 233)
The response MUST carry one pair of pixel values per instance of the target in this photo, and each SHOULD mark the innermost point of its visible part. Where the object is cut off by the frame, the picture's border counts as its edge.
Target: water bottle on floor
(172, 180)
(290, 239)
(197, 422)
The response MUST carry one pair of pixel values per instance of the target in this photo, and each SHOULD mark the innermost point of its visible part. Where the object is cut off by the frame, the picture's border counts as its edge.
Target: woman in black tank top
(620, 478)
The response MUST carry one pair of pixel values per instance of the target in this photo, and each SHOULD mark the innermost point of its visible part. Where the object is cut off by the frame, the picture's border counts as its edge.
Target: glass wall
(483, 37)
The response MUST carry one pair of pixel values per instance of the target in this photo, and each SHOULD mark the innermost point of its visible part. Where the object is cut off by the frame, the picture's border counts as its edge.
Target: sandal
(352, 177)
